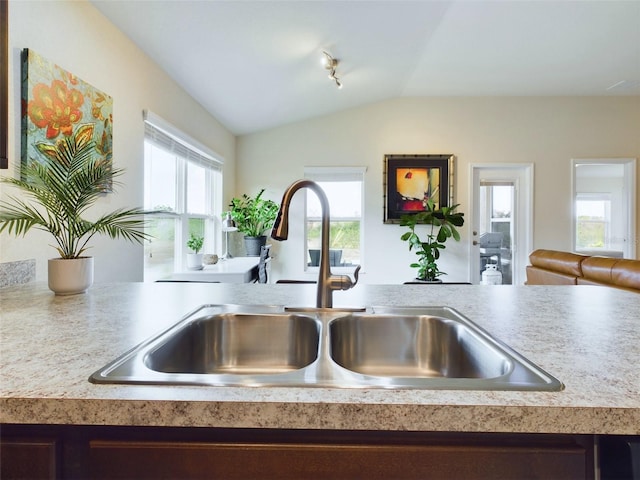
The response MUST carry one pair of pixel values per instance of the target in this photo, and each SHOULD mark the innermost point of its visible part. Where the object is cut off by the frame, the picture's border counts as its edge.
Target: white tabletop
(232, 270)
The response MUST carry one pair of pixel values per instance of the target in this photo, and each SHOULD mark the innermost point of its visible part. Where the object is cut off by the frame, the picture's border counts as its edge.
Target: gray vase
(253, 245)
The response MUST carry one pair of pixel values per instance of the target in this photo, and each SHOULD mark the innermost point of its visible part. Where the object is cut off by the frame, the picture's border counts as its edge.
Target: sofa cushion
(626, 273)
(617, 272)
(598, 269)
(560, 262)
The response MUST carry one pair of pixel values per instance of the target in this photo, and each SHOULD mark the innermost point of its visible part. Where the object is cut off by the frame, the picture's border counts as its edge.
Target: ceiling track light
(331, 64)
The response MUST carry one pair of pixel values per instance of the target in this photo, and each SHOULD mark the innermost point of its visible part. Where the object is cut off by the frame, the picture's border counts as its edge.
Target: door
(501, 222)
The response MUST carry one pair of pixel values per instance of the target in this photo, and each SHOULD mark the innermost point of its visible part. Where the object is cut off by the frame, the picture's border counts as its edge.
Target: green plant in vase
(253, 216)
(63, 185)
(442, 224)
(194, 260)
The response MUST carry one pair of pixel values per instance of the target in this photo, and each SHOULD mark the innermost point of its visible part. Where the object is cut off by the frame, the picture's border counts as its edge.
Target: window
(344, 187)
(497, 205)
(593, 221)
(183, 184)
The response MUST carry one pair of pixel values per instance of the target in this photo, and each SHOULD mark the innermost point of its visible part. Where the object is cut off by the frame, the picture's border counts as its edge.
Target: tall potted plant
(253, 217)
(67, 181)
(442, 225)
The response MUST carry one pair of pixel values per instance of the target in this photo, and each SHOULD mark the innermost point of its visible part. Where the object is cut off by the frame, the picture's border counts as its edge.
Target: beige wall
(74, 35)
(547, 132)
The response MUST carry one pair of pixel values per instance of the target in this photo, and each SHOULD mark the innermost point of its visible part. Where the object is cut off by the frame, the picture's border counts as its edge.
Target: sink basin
(222, 345)
(414, 346)
(238, 344)
(383, 347)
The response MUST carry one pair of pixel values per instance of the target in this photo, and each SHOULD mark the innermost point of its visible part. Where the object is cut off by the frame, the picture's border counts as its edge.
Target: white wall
(74, 35)
(547, 132)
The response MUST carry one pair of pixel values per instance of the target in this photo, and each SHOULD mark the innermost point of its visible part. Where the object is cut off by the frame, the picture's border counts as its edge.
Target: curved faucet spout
(326, 282)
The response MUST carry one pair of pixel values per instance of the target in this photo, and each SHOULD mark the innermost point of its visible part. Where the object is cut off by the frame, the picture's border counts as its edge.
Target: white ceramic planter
(194, 261)
(68, 276)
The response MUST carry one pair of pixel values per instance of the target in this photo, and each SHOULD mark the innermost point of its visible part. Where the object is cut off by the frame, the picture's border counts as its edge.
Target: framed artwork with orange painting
(412, 180)
(56, 103)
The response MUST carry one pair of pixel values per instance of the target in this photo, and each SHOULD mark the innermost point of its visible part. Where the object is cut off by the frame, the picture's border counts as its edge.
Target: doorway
(604, 206)
(501, 222)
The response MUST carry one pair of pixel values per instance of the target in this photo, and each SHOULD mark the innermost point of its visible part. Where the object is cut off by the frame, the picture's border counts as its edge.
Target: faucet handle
(344, 282)
(355, 275)
(348, 283)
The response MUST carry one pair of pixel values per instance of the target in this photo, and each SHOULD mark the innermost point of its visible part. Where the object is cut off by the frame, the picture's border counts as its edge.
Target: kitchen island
(587, 337)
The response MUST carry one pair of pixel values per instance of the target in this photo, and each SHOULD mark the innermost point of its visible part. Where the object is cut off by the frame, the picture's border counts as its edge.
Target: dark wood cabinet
(199, 453)
(29, 458)
(153, 460)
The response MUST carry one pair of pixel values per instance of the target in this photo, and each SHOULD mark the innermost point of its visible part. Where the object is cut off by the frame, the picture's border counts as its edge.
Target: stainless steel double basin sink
(382, 347)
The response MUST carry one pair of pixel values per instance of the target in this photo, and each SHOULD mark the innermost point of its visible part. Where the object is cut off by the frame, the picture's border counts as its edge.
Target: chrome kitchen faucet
(327, 282)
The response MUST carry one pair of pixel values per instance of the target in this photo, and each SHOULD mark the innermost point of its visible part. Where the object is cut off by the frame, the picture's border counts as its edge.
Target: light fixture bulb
(326, 60)
(331, 64)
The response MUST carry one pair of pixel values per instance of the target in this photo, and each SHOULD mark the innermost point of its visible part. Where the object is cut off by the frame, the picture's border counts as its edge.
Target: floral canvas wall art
(56, 103)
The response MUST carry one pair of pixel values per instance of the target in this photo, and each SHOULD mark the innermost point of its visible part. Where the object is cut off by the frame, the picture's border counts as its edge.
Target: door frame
(629, 165)
(523, 227)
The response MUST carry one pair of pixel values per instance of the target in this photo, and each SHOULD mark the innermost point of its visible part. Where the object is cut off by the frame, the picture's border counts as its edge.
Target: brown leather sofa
(551, 267)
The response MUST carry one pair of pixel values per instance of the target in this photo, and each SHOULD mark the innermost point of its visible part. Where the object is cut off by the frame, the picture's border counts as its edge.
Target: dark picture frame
(4, 84)
(410, 180)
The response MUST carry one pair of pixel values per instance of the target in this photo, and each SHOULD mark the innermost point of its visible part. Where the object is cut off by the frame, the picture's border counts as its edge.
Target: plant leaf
(67, 180)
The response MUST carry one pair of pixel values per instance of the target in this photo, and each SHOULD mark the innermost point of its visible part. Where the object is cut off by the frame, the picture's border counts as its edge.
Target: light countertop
(588, 337)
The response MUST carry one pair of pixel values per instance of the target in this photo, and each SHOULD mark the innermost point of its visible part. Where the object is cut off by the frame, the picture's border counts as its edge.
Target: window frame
(488, 222)
(335, 174)
(591, 197)
(186, 151)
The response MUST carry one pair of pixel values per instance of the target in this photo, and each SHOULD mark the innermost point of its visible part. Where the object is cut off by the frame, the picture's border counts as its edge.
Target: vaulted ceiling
(255, 65)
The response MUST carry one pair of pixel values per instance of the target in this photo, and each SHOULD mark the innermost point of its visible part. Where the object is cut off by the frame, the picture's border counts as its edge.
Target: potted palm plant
(194, 260)
(443, 223)
(67, 181)
(253, 216)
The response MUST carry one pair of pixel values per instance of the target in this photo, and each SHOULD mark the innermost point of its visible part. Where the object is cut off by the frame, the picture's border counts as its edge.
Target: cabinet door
(28, 459)
(155, 460)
